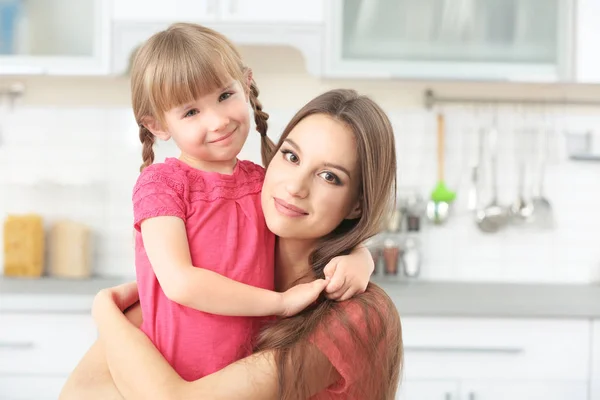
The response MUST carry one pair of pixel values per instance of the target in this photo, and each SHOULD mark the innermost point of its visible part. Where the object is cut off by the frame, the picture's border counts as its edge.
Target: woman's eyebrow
(339, 167)
(293, 144)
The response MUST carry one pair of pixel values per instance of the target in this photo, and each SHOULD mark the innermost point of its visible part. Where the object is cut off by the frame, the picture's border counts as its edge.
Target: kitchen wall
(68, 149)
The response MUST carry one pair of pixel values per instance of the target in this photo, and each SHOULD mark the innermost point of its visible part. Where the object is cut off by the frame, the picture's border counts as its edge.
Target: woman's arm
(140, 371)
(91, 378)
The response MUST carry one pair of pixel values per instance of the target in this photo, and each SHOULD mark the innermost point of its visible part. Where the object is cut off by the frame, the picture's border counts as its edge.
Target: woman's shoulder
(368, 313)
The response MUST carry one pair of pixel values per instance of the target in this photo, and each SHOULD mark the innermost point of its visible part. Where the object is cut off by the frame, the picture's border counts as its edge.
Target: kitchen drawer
(43, 344)
(466, 348)
(30, 388)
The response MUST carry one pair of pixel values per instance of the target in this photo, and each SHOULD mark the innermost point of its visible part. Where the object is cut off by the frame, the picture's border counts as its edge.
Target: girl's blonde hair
(181, 64)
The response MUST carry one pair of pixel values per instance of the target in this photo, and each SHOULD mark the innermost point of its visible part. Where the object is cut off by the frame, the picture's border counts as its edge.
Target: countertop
(495, 300)
(50, 294)
(435, 299)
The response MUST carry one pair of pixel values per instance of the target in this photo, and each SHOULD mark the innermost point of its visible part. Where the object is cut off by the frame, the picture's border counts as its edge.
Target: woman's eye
(291, 157)
(225, 96)
(191, 113)
(329, 177)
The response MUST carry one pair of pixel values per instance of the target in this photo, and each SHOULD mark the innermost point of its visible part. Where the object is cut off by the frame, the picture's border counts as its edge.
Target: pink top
(227, 234)
(334, 340)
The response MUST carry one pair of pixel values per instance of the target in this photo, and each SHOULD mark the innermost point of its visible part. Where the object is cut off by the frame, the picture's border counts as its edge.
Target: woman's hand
(122, 297)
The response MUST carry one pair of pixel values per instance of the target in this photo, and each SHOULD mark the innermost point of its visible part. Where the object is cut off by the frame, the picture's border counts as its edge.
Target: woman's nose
(298, 187)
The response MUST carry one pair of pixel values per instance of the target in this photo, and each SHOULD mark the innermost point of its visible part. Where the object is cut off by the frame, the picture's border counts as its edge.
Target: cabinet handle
(430, 349)
(17, 345)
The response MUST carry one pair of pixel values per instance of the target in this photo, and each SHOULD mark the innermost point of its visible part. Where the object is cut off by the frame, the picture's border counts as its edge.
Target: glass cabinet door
(486, 33)
(43, 33)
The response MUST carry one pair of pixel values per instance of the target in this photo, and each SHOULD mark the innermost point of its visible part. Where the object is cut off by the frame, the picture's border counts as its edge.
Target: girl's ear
(155, 127)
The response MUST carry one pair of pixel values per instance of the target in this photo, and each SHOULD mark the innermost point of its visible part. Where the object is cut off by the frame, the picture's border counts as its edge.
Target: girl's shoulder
(167, 175)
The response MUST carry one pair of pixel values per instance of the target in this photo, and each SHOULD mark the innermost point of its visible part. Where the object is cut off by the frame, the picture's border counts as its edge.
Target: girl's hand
(301, 296)
(349, 275)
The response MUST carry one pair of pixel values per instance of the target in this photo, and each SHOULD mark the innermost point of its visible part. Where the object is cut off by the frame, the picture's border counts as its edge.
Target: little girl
(204, 256)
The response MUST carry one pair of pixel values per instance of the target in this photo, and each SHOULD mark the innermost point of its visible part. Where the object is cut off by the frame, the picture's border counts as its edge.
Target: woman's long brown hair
(377, 342)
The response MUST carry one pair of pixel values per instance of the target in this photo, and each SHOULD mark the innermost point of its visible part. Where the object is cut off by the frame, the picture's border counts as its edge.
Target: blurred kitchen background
(491, 254)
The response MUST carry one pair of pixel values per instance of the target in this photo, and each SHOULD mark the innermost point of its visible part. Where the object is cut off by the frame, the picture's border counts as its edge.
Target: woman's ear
(356, 211)
(155, 128)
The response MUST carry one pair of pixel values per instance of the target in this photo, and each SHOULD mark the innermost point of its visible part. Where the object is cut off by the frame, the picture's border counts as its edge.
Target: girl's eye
(330, 177)
(290, 156)
(225, 96)
(191, 113)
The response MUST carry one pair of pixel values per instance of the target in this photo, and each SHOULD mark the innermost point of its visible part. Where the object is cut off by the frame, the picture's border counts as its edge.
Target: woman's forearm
(138, 369)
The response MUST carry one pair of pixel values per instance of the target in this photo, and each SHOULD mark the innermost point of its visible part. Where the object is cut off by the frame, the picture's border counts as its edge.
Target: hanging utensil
(438, 206)
(493, 217)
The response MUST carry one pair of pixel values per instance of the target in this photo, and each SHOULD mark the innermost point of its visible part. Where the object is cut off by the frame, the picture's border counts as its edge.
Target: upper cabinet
(513, 40)
(199, 11)
(297, 24)
(271, 11)
(587, 56)
(58, 37)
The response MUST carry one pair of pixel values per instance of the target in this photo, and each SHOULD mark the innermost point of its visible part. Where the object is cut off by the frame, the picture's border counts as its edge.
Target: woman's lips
(288, 209)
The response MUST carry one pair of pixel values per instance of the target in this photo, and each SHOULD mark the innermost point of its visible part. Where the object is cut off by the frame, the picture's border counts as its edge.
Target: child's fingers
(336, 283)
(330, 268)
(348, 294)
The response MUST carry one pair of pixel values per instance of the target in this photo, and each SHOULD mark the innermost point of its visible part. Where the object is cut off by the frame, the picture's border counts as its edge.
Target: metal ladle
(493, 217)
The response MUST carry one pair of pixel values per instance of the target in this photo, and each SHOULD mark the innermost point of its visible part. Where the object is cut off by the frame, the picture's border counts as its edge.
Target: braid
(267, 147)
(147, 139)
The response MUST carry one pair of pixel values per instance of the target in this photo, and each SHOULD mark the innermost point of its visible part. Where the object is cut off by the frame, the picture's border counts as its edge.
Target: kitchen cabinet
(587, 57)
(204, 11)
(428, 390)
(263, 22)
(519, 390)
(489, 359)
(39, 351)
(272, 11)
(44, 37)
(595, 364)
(528, 40)
(198, 11)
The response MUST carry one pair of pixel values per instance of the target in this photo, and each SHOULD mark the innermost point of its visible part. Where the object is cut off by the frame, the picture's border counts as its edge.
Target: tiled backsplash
(81, 163)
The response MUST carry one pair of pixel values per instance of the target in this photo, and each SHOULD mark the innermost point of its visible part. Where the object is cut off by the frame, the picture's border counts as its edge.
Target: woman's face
(312, 183)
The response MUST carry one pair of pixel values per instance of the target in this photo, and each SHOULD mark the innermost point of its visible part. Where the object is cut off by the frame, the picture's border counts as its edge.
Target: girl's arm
(165, 242)
(140, 371)
(349, 275)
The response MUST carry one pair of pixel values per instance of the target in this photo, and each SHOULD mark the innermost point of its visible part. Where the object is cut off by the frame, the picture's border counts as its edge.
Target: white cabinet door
(595, 372)
(503, 390)
(56, 37)
(587, 57)
(43, 344)
(30, 388)
(159, 10)
(271, 11)
(492, 349)
(428, 390)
